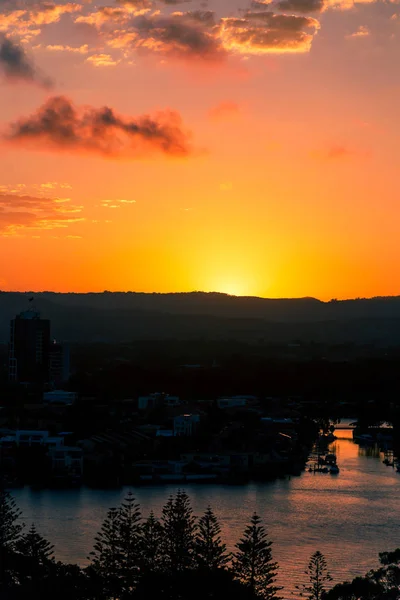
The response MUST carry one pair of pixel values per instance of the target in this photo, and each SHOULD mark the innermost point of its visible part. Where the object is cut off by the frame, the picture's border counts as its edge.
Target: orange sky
(236, 146)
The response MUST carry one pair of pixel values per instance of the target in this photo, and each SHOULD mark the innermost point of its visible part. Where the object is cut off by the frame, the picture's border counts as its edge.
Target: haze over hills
(128, 316)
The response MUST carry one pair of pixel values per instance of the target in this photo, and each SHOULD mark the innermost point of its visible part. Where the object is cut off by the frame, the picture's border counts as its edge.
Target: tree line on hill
(116, 317)
(175, 557)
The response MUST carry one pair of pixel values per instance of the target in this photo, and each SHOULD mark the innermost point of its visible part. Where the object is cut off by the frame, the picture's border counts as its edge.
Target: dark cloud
(58, 124)
(264, 32)
(259, 4)
(186, 35)
(206, 17)
(302, 6)
(15, 64)
(172, 2)
(199, 35)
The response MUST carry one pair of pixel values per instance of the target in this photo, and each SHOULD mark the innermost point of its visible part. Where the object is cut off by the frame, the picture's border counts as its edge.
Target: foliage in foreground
(176, 557)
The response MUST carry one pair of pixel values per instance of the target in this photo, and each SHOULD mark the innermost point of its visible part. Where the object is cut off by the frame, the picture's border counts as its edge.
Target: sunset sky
(235, 146)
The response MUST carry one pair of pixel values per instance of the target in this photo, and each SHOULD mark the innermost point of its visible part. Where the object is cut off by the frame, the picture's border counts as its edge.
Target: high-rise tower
(29, 348)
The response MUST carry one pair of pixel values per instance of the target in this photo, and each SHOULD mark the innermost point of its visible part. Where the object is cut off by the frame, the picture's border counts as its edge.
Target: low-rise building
(67, 460)
(31, 438)
(186, 424)
(60, 397)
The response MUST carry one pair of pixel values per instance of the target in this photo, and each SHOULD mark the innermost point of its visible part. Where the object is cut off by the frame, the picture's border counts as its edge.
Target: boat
(330, 459)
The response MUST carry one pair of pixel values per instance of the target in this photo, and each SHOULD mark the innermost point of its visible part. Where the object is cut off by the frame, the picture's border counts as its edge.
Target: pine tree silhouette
(210, 551)
(179, 527)
(106, 555)
(10, 525)
(35, 546)
(252, 564)
(151, 545)
(318, 575)
(129, 523)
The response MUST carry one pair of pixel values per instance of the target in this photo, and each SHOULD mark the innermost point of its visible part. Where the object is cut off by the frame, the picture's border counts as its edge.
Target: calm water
(350, 517)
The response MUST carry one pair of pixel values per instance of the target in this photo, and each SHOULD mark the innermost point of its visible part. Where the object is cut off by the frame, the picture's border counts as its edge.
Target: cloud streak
(20, 213)
(59, 125)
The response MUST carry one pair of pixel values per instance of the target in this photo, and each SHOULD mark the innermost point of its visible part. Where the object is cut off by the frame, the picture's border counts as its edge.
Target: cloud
(361, 32)
(102, 60)
(183, 35)
(16, 66)
(224, 110)
(302, 6)
(84, 49)
(199, 35)
(59, 125)
(19, 213)
(267, 32)
(27, 19)
(117, 203)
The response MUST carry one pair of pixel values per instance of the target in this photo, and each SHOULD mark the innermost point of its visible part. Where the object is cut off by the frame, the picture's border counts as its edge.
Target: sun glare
(233, 288)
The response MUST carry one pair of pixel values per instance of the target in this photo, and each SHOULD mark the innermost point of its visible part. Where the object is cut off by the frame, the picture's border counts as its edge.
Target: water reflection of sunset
(359, 507)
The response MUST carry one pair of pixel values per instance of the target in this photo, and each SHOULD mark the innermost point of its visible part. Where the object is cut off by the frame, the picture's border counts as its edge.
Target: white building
(186, 424)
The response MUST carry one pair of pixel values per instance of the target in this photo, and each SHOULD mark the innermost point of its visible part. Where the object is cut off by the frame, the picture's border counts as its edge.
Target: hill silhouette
(128, 316)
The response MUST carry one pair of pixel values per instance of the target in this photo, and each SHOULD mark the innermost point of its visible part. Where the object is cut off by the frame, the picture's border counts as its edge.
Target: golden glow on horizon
(269, 175)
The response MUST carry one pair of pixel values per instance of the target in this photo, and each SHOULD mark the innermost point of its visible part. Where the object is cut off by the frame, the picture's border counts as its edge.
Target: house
(186, 424)
(67, 460)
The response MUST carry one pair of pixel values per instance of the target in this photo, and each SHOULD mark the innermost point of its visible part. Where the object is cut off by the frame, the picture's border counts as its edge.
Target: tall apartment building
(58, 363)
(29, 349)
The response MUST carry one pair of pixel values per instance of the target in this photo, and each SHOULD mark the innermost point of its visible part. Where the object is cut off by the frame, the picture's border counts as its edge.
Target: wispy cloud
(116, 203)
(83, 49)
(224, 110)
(102, 60)
(361, 32)
(20, 214)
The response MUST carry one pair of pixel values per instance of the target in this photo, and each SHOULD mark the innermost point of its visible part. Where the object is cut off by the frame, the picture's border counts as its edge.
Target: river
(350, 517)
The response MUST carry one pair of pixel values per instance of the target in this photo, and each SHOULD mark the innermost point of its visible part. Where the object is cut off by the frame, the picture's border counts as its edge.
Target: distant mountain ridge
(126, 316)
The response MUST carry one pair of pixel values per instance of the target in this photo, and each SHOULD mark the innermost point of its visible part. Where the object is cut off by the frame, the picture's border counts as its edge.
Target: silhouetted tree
(361, 588)
(129, 530)
(10, 527)
(10, 532)
(253, 564)
(389, 558)
(210, 551)
(106, 555)
(318, 575)
(179, 527)
(151, 545)
(35, 546)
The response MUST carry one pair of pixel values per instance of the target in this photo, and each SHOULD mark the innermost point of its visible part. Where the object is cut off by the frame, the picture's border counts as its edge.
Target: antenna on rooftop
(32, 304)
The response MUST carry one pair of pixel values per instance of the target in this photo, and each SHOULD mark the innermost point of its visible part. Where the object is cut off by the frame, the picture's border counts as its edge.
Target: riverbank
(350, 518)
